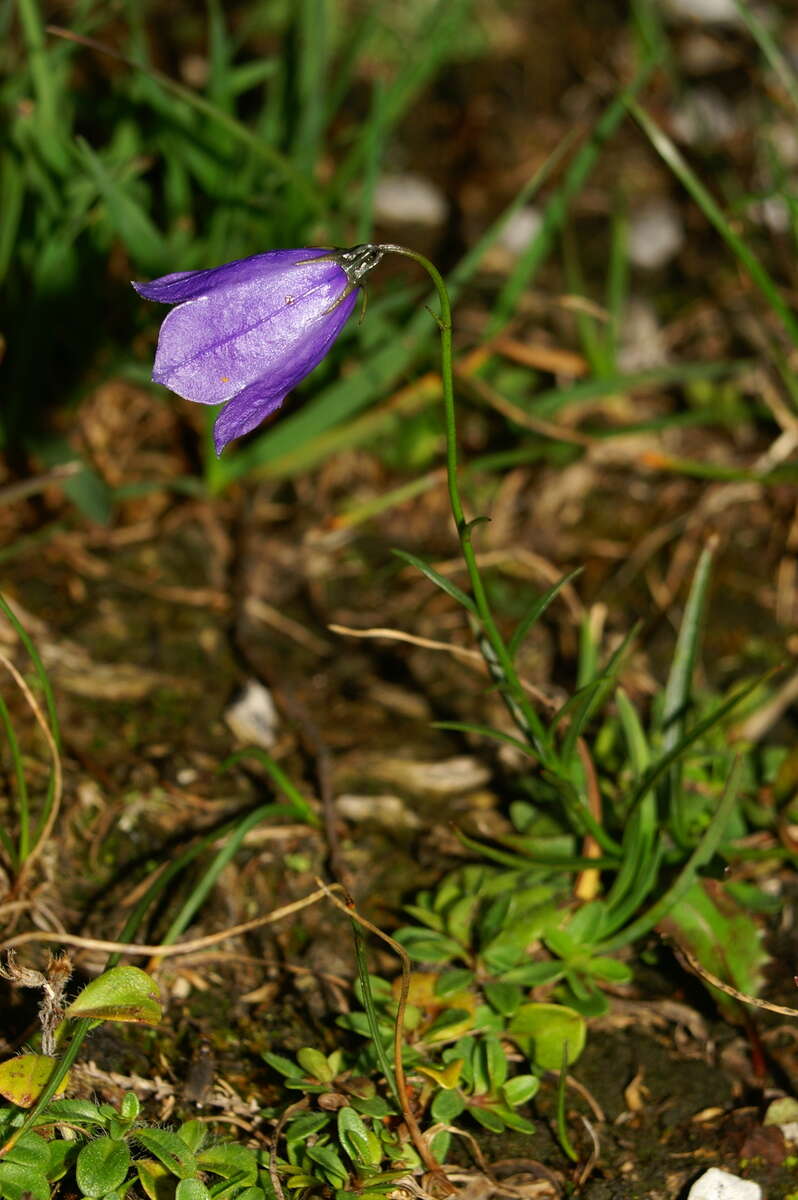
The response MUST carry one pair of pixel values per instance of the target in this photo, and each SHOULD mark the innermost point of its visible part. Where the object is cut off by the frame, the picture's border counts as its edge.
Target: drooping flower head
(246, 333)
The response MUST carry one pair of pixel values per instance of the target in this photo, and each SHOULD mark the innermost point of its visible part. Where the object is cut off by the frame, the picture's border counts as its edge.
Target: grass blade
(537, 610)
(684, 880)
(770, 50)
(439, 580)
(678, 691)
(758, 274)
(256, 145)
(556, 209)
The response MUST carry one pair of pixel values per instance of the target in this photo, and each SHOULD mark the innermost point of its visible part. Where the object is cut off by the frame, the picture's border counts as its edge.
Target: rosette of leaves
(350, 1139)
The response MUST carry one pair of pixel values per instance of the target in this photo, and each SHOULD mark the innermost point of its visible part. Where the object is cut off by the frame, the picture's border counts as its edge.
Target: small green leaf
(456, 980)
(426, 946)
(121, 994)
(460, 918)
(495, 1063)
(609, 969)
(440, 1145)
(153, 1177)
(435, 577)
(19, 1182)
(330, 1162)
(315, 1064)
(487, 1118)
(23, 1078)
(519, 1089)
(193, 1133)
(61, 1157)
(504, 997)
(446, 1106)
(285, 1066)
(542, 1030)
(353, 1134)
(102, 1166)
(231, 1161)
(303, 1126)
(31, 1150)
(192, 1189)
(513, 1120)
(170, 1150)
(537, 609)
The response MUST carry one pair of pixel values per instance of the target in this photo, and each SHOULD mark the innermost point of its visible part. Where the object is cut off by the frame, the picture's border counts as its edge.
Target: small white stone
(253, 717)
(656, 234)
(704, 118)
(409, 199)
(785, 140)
(774, 213)
(721, 1185)
(642, 338)
(520, 229)
(450, 777)
(713, 12)
(387, 810)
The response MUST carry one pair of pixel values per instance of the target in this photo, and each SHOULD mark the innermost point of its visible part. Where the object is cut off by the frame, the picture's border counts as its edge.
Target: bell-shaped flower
(246, 333)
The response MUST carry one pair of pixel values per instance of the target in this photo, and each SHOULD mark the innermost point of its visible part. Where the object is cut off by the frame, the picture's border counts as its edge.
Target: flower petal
(246, 410)
(212, 347)
(187, 285)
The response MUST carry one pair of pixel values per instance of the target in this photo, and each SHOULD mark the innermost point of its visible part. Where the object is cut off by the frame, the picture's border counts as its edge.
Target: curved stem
(498, 657)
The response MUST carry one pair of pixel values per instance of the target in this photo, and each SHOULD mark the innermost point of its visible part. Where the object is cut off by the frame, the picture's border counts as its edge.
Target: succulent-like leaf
(121, 994)
(22, 1079)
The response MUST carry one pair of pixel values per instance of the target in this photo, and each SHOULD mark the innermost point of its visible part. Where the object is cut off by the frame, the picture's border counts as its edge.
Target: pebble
(520, 229)
(721, 1185)
(253, 717)
(656, 234)
(409, 200)
(387, 810)
(713, 12)
(642, 339)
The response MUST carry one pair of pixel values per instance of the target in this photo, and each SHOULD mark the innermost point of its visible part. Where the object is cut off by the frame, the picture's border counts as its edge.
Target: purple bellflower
(246, 333)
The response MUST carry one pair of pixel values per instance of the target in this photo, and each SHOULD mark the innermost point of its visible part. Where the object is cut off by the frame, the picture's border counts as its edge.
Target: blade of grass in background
(431, 47)
(617, 284)
(240, 132)
(758, 274)
(545, 404)
(684, 880)
(556, 209)
(781, 68)
(677, 696)
(312, 38)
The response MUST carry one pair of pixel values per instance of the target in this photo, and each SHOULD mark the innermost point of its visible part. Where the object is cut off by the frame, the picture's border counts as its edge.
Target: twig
(470, 656)
(691, 963)
(135, 948)
(274, 1174)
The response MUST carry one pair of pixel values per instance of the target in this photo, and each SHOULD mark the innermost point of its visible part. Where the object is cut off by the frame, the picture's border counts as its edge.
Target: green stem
(502, 667)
